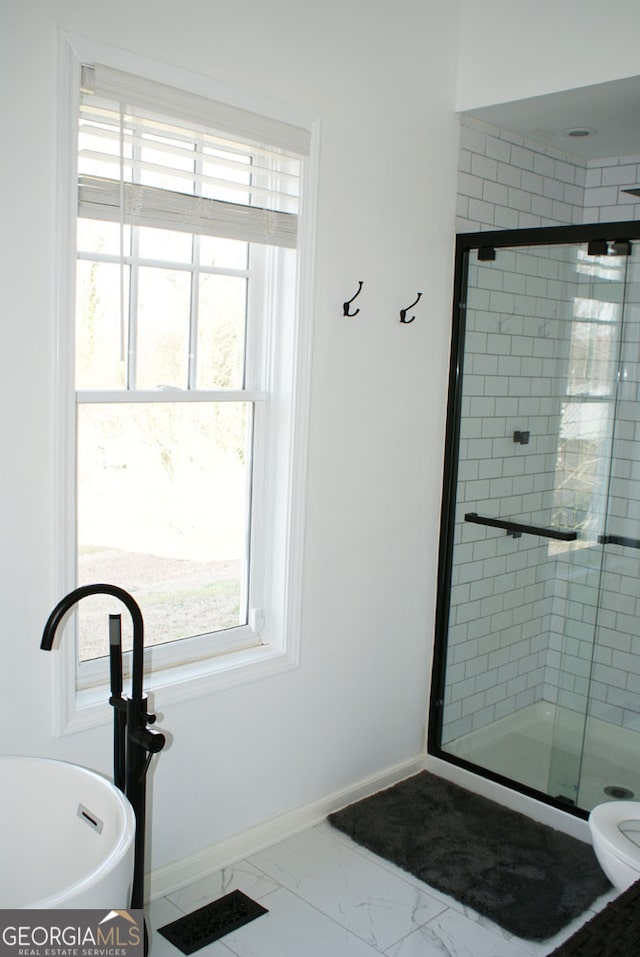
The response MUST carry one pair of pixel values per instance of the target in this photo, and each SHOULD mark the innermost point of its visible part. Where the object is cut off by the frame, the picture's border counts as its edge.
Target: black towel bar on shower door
(619, 540)
(517, 528)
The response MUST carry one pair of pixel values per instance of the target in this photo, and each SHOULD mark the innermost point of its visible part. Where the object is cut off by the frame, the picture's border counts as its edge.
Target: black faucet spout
(67, 603)
(134, 742)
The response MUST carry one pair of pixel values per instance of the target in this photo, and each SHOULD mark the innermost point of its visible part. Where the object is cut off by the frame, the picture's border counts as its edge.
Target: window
(187, 369)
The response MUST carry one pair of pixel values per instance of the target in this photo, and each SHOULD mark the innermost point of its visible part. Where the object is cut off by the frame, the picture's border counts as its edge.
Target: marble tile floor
(328, 897)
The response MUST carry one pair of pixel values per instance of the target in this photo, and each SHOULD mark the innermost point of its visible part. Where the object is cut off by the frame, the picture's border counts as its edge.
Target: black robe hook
(345, 305)
(403, 312)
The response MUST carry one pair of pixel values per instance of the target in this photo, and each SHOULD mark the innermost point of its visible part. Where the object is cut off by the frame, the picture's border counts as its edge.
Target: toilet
(615, 834)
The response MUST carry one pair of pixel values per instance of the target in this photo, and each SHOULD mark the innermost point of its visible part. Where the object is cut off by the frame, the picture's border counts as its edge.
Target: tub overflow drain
(619, 793)
(90, 818)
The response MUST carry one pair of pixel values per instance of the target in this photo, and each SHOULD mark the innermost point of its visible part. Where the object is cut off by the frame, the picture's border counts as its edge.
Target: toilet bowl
(615, 834)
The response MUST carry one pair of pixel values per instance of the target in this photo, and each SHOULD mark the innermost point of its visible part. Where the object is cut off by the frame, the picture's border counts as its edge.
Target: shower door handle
(517, 528)
(618, 540)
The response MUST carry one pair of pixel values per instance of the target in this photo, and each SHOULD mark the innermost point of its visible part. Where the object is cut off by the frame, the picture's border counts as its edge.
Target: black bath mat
(615, 930)
(525, 876)
(211, 922)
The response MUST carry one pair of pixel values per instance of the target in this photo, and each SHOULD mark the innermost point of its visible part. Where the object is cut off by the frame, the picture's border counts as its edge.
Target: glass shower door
(594, 322)
(512, 525)
(610, 768)
(538, 597)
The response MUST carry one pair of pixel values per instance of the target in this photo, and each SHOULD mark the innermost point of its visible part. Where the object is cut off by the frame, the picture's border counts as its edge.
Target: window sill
(90, 707)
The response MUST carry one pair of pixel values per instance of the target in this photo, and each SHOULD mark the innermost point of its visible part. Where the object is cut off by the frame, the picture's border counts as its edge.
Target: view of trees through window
(163, 486)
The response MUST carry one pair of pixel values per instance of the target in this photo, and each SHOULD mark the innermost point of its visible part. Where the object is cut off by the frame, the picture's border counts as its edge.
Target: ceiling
(610, 110)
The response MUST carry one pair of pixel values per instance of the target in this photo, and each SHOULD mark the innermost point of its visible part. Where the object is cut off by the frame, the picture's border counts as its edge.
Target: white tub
(66, 835)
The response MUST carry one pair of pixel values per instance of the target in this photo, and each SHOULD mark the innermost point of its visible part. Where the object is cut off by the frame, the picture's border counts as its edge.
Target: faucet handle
(152, 741)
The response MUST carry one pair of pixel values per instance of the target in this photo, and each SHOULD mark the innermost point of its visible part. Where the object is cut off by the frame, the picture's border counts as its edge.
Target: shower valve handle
(152, 741)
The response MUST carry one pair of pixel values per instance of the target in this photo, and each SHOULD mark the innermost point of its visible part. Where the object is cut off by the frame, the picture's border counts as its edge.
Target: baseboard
(536, 810)
(171, 877)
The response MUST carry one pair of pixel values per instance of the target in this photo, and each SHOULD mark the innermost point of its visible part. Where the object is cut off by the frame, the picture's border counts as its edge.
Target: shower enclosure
(536, 679)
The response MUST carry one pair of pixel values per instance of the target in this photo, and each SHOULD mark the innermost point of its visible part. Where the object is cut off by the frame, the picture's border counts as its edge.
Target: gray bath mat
(527, 877)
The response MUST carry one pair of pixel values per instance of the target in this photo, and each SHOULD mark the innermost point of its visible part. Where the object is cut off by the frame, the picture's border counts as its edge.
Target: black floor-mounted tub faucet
(134, 743)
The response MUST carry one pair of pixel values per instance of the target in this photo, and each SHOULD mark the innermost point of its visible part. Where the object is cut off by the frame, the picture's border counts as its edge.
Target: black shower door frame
(484, 243)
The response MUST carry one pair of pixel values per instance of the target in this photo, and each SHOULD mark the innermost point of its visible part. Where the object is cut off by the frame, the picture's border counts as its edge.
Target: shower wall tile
(523, 630)
(604, 200)
(506, 385)
(593, 175)
(610, 214)
(600, 196)
(624, 174)
(512, 183)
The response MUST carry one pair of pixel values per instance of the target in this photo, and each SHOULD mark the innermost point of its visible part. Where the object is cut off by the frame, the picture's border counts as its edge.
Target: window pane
(223, 253)
(221, 332)
(165, 244)
(97, 236)
(101, 325)
(164, 297)
(163, 511)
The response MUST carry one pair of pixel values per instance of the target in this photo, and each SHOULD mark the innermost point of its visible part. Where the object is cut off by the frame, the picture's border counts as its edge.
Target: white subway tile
(498, 149)
(542, 206)
(509, 175)
(608, 214)
(506, 218)
(620, 175)
(495, 193)
(565, 172)
(464, 161)
(472, 139)
(600, 196)
(543, 164)
(532, 182)
(469, 185)
(563, 213)
(530, 221)
(519, 199)
(574, 195)
(552, 188)
(593, 176)
(522, 157)
(484, 167)
(481, 211)
(462, 206)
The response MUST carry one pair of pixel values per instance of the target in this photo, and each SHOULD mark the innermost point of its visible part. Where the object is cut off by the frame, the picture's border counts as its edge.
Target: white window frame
(171, 676)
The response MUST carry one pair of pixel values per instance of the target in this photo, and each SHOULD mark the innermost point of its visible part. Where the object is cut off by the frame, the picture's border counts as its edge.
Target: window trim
(76, 708)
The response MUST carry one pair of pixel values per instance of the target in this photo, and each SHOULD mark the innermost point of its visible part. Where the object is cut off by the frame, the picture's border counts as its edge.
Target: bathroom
(253, 762)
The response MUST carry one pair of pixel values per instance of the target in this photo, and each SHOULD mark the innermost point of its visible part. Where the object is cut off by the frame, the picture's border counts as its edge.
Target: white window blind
(150, 154)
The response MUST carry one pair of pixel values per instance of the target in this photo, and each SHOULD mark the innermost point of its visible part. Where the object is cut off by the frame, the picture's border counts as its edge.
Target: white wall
(512, 49)
(382, 78)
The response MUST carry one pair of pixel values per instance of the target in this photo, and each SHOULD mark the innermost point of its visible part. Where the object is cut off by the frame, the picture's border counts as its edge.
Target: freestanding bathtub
(66, 835)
